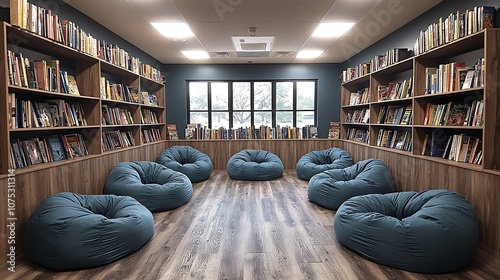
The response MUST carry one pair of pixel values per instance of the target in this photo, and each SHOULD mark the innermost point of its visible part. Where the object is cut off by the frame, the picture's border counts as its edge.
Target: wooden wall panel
(289, 151)
(86, 176)
(480, 188)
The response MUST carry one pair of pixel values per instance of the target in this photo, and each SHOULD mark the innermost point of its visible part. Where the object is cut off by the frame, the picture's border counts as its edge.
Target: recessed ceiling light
(196, 54)
(309, 53)
(332, 29)
(173, 29)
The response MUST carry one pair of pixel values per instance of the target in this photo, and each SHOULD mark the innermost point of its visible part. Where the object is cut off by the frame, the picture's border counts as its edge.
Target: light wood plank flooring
(248, 230)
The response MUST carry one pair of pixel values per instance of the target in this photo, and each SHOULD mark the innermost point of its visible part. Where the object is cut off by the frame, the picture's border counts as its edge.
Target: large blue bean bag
(69, 231)
(254, 165)
(153, 185)
(316, 162)
(187, 160)
(434, 231)
(331, 188)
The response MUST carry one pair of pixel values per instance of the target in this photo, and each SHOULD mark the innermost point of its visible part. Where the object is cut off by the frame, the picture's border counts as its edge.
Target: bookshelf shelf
(480, 102)
(30, 133)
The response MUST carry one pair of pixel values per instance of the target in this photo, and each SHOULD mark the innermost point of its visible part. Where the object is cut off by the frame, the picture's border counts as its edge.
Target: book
(438, 143)
(72, 85)
(172, 131)
(463, 147)
(145, 98)
(18, 12)
(32, 151)
(382, 93)
(19, 160)
(393, 114)
(488, 17)
(457, 114)
(469, 79)
(406, 118)
(73, 145)
(56, 147)
(43, 111)
(334, 130)
(134, 93)
(401, 140)
(426, 147)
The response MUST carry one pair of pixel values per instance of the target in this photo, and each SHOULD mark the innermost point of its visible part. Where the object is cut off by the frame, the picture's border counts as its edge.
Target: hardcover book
(438, 143)
(72, 85)
(458, 114)
(56, 147)
(32, 151)
(172, 131)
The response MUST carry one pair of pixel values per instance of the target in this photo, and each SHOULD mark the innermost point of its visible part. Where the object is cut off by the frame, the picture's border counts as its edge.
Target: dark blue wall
(326, 74)
(406, 35)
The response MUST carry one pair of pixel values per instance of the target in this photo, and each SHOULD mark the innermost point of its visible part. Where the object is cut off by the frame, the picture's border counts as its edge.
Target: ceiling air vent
(253, 46)
(221, 54)
(283, 54)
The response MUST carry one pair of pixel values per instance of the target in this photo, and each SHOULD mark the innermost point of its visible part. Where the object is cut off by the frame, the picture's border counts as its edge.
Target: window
(245, 103)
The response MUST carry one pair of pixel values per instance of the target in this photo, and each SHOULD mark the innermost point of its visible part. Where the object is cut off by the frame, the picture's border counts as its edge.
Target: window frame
(252, 110)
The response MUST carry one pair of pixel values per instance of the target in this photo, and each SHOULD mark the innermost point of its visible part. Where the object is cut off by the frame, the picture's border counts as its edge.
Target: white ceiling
(290, 21)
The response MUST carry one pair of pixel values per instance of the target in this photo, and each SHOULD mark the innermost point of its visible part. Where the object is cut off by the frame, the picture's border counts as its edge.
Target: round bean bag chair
(69, 231)
(254, 165)
(155, 186)
(316, 162)
(434, 231)
(331, 188)
(187, 160)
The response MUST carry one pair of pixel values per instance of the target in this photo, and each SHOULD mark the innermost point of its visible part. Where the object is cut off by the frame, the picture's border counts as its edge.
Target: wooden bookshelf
(482, 44)
(87, 70)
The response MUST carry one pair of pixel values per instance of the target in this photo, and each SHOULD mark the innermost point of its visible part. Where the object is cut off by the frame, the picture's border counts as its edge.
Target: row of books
(399, 115)
(150, 135)
(454, 76)
(457, 147)
(118, 92)
(395, 139)
(116, 115)
(41, 150)
(48, 113)
(44, 22)
(395, 90)
(116, 139)
(358, 116)
(362, 96)
(390, 57)
(355, 72)
(454, 114)
(197, 131)
(148, 117)
(453, 27)
(39, 74)
(358, 134)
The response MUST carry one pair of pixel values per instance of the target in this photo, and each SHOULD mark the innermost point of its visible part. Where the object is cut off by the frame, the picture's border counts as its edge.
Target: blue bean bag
(69, 231)
(155, 186)
(254, 165)
(331, 188)
(316, 162)
(435, 231)
(187, 160)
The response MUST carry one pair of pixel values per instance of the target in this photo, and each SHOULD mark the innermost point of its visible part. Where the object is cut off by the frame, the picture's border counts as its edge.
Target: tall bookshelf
(87, 71)
(482, 44)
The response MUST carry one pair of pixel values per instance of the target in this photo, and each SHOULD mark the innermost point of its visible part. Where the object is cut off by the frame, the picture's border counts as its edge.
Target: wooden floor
(247, 230)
